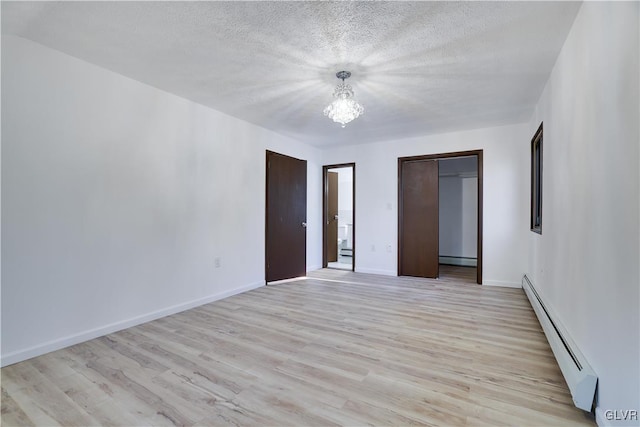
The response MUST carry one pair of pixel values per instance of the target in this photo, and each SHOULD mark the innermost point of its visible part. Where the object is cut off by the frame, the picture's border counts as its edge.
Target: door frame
(325, 191)
(439, 156)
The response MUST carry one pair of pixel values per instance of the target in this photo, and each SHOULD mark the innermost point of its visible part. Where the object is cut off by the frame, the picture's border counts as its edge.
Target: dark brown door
(332, 217)
(286, 217)
(418, 254)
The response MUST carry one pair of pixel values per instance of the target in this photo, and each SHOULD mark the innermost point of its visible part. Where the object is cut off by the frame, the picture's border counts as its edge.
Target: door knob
(304, 224)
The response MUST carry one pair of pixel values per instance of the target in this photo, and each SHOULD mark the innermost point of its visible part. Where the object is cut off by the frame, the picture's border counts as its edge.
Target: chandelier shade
(344, 107)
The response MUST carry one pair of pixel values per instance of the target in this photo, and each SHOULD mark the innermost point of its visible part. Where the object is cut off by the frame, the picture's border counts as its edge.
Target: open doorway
(458, 218)
(338, 212)
(440, 216)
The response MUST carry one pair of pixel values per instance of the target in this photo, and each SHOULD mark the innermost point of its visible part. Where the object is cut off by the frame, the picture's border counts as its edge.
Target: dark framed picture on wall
(536, 181)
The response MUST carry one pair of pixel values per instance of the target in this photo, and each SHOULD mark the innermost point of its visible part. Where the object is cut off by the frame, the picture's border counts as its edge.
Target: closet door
(418, 219)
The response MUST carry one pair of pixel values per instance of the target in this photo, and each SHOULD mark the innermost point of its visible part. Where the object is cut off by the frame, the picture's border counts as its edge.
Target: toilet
(344, 240)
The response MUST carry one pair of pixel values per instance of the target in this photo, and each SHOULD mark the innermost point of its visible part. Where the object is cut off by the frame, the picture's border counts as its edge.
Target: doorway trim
(325, 194)
(402, 160)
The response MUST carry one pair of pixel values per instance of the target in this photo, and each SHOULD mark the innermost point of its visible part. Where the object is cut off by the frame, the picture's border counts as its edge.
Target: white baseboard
(376, 271)
(38, 350)
(293, 279)
(313, 268)
(501, 284)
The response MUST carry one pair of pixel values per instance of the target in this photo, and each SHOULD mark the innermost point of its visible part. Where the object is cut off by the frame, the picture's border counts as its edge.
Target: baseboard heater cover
(579, 376)
(458, 260)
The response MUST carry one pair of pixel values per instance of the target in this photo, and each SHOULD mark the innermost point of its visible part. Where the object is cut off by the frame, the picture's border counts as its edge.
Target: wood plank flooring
(336, 348)
(458, 273)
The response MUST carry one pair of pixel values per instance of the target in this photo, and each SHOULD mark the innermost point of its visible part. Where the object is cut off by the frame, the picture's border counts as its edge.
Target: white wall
(345, 189)
(345, 195)
(506, 197)
(469, 217)
(458, 216)
(585, 263)
(117, 197)
(450, 216)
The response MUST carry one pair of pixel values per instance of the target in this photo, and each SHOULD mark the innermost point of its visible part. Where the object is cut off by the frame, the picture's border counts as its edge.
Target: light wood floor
(455, 273)
(338, 348)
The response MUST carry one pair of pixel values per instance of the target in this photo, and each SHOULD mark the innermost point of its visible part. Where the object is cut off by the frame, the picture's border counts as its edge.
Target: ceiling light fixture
(344, 107)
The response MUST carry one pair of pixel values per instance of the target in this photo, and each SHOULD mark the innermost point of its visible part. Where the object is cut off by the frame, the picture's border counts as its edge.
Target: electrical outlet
(389, 249)
(373, 248)
(217, 261)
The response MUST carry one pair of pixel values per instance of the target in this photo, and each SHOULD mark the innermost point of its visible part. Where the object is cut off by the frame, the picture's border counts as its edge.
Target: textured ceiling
(418, 67)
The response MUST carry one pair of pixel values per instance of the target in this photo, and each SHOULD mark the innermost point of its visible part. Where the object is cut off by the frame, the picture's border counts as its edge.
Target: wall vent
(576, 370)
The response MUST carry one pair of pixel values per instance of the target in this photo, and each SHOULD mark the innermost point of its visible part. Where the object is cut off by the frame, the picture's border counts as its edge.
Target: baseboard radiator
(458, 260)
(576, 370)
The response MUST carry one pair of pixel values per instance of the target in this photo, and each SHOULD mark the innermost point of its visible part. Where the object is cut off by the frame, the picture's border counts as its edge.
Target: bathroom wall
(345, 203)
